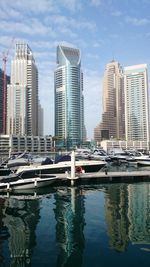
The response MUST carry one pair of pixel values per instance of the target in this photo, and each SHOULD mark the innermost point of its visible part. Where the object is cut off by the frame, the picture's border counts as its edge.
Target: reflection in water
(125, 213)
(69, 214)
(3, 230)
(127, 209)
(116, 209)
(20, 218)
(139, 213)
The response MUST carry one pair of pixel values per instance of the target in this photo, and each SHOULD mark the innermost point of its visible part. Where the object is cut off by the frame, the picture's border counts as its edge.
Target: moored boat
(143, 162)
(59, 167)
(14, 182)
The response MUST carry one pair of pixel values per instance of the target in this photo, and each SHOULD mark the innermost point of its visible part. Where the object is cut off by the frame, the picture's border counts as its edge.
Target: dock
(120, 176)
(101, 177)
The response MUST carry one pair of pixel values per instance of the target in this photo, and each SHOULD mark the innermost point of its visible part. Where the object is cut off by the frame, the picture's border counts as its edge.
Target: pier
(122, 176)
(104, 176)
(101, 177)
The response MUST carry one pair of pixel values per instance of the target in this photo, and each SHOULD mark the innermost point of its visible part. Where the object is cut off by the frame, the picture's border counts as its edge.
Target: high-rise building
(113, 120)
(136, 103)
(41, 119)
(22, 93)
(69, 101)
(2, 111)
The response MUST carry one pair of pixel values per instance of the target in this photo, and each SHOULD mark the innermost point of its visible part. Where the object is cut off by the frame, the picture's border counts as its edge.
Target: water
(102, 225)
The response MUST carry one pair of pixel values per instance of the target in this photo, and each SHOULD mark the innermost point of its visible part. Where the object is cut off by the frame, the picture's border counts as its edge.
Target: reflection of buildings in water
(69, 214)
(139, 213)
(21, 218)
(116, 206)
(3, 230)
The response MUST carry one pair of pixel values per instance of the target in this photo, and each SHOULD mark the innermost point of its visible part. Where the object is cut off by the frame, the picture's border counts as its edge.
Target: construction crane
(5, 58)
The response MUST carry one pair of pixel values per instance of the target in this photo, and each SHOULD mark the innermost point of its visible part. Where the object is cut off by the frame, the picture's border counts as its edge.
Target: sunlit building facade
(22, 93)
(69, 100)
(113, 120)
(136, 103)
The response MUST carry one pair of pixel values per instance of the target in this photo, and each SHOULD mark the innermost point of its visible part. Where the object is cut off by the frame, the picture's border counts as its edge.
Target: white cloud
(10, 13)
(69, 22)
(30, 6)
(32, 27)
(116, 13)
(137, 22)
(98, 43)
(67, 31)
(93, 56)
(96, 2)
(71, 4)
(40, 6)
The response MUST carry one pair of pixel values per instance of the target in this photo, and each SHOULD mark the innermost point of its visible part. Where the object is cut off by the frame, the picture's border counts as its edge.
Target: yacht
(143, 160)
(15, 182)
(100, 154)
(13, 162)
(82, 153)
(63, 165)
(130, 157)
(119, 156)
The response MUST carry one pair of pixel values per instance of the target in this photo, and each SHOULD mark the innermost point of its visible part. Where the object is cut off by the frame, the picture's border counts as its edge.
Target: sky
(102, 29)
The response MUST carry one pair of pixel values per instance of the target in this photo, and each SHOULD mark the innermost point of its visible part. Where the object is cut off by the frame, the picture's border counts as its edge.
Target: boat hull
(143, 163)
(31, 183)
(34, 171)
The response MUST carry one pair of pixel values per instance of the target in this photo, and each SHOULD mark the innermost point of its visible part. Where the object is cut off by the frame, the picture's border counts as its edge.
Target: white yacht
(62, 166)
(15, 182)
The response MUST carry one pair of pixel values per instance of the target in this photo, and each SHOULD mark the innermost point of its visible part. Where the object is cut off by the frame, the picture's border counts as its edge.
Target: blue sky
(102, 29)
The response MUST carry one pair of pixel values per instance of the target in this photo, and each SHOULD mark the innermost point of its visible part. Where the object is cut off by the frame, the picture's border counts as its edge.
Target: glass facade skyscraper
(136, 103)
(69, 101)
(2, 111)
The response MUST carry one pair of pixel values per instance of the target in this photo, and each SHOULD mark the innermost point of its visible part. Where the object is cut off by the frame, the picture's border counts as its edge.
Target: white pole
(73, 199)
(73, 165)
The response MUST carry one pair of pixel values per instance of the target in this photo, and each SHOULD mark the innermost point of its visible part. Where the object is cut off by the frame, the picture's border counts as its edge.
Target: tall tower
(41, 119)
(113, 120)
(22, 93)
(2, 121)
(69, 107)
(136, 103)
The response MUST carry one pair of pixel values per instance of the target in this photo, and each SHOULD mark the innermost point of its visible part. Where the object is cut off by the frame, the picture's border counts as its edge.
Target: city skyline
(102, 30)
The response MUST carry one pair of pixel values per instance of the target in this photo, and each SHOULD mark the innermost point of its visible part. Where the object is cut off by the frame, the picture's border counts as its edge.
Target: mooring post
(72, 167)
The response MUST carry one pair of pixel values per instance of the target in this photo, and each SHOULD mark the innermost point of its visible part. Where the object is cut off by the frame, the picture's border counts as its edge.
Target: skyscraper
(136, 103)
(22, 93)
(2, 106)
(69, 101)
(113, 121)
(41, 119)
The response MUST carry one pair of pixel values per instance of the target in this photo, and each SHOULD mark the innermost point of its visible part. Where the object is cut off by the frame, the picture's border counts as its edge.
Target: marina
(70, 171)
(73, 216)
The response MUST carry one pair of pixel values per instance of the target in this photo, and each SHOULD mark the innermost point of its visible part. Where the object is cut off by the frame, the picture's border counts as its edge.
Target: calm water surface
(103, 225)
